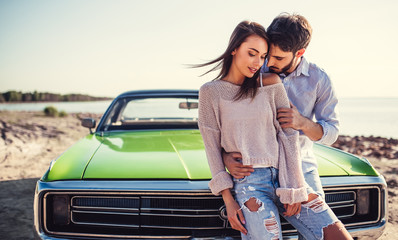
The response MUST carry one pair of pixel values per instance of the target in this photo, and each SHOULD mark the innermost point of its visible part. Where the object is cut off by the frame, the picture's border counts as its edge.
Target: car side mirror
(89, 123)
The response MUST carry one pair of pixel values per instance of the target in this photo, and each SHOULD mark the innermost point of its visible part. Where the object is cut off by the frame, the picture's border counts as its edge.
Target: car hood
(150, 155)
(334, 162)
(167, 155)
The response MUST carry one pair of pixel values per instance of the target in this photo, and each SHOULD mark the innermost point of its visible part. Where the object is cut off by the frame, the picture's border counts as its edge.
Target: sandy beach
(30, 140)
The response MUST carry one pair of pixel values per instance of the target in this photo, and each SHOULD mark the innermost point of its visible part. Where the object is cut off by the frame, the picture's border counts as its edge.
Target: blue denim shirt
(310, 90)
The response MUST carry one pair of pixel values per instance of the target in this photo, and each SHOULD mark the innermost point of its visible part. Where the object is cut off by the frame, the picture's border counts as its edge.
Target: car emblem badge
(223, 213)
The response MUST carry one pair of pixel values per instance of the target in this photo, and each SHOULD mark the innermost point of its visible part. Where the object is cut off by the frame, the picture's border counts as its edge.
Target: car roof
(159, 92)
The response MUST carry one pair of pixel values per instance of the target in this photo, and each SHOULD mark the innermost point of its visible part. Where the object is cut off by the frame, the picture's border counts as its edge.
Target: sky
(106, 47)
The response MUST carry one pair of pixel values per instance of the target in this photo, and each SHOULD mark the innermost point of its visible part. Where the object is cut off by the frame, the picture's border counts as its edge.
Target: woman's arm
(210, 129)
(221, 181)
(291, 179)
(234, 212)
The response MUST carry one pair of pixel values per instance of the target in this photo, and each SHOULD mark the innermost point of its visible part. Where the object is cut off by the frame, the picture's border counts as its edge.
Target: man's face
(280, 61)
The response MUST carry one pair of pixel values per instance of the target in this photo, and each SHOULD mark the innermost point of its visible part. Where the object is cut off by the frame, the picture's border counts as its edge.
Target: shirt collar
(302, 68)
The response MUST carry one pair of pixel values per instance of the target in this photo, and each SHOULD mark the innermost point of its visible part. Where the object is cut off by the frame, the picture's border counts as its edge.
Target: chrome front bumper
(371, 231)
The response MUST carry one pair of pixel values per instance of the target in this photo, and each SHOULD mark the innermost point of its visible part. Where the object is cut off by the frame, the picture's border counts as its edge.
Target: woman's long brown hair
(223, 62)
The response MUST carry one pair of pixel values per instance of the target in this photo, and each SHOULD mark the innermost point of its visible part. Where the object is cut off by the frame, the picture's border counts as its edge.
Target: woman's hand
(235, 217)
(293, 209)
(234, 212)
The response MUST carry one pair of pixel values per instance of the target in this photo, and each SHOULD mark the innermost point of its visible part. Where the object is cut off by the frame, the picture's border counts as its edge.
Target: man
(311, 95)
(309, 90)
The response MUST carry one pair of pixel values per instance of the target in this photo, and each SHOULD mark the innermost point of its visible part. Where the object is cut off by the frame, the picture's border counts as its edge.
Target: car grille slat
(105, 218)
(106, 202)
(337, 198)
(175, 210)
(179, 203)
(178, 215)
(182, 222)
(344, 211)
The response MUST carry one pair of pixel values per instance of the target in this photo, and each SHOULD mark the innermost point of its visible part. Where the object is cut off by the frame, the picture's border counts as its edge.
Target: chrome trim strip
(339, 203)
(163, 187)
(179, 215)
(341, 181)
(182, 197)
(349, 205)
(169, 227)
(104, 225)
(135, 198)
(109, 213)
(106, 208)
(179, 210)
(196, 187)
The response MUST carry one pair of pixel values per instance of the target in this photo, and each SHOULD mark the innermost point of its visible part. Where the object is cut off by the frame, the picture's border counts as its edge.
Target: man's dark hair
(290, 32)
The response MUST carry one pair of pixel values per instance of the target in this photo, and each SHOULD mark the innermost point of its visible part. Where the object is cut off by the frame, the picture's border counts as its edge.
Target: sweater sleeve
(210, 130)
(291, 179)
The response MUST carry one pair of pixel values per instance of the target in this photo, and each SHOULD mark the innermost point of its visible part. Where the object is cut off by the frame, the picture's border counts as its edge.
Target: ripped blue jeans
(264, 221)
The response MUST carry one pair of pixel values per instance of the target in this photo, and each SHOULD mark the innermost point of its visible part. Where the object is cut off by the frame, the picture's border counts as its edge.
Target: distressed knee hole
(335, 231)
(271, 225)
(337, 226)
(253, 204)
(316, 204)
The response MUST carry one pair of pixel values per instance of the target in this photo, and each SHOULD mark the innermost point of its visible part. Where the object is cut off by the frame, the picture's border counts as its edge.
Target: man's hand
(293, 209)
(290, 118)
(234, 166)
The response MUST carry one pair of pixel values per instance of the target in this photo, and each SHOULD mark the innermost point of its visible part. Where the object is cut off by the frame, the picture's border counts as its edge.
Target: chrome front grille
(172, 212)
(175, 214)
(342, 203)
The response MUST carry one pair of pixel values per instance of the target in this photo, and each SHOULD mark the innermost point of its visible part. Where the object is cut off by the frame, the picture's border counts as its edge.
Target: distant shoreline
(99, 100)
(13, 96)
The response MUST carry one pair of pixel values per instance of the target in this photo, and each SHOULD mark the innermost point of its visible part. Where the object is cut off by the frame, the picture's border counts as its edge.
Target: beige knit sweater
(249, 126)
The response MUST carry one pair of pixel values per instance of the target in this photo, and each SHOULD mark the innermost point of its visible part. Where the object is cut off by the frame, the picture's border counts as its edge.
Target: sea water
(358, 116)
(369, 116)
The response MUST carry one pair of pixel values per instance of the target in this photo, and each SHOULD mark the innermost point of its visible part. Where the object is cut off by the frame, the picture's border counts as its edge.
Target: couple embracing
(256, 121)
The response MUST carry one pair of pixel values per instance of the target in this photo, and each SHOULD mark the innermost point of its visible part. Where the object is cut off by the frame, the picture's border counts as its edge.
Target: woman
(237, 113)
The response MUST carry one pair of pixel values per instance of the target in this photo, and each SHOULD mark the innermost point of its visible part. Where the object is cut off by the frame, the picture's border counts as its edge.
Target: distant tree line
(15, 96)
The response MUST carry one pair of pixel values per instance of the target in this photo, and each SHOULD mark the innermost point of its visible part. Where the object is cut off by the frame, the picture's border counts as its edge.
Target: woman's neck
(234, 77)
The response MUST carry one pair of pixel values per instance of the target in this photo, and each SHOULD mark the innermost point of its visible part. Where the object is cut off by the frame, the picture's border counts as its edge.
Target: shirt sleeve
(326, 112)
(291, 179)
(210, 130)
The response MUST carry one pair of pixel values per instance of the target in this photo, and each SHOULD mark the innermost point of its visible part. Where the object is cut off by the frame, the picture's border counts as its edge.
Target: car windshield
(152, 113)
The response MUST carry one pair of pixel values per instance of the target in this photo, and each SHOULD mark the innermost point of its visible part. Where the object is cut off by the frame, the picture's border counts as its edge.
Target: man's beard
(284, 70)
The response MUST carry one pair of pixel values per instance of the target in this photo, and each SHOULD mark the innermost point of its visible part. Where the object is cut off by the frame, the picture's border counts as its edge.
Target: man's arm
(326, 128)
(325, 111)
(232, 162)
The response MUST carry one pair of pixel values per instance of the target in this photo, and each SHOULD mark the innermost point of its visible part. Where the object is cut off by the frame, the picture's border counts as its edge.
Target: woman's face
(249, 57)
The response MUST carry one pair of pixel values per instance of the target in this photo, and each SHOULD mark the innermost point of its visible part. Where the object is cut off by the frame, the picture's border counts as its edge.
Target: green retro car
(143, 174)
